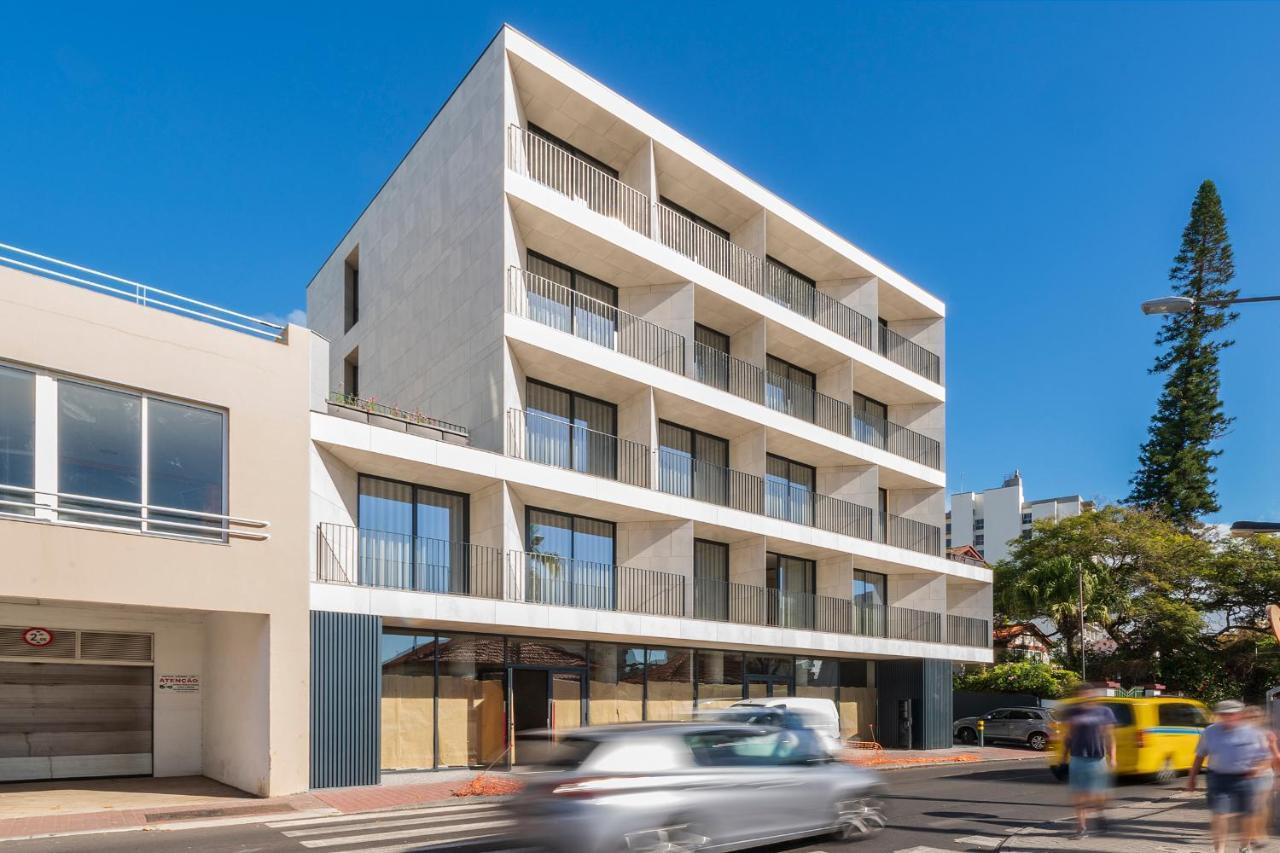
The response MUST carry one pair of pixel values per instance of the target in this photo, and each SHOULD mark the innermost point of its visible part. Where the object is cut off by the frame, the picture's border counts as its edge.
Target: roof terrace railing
(136, 292)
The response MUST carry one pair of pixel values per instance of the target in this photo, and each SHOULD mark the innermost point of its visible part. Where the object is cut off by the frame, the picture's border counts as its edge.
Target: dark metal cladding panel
(346, 692)
(937, 705)
(927, 684)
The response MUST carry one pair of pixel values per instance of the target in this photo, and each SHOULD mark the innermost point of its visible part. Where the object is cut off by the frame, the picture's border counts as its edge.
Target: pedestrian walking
(1091, 747)
(1236, 752)
(1265, 781)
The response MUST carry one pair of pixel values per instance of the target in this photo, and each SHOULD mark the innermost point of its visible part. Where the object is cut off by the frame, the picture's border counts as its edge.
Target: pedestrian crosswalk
(462, 826)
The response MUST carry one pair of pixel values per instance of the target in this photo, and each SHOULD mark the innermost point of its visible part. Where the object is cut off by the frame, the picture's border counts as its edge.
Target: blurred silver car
(673, 787)
(1019, 725)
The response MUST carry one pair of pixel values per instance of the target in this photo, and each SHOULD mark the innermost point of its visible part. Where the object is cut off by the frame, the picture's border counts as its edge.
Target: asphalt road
(927, 807)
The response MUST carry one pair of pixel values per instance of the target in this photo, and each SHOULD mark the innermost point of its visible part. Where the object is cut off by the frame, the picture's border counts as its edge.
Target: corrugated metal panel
(936, 702)
(111, 645)
(58, 643)
(346, 688)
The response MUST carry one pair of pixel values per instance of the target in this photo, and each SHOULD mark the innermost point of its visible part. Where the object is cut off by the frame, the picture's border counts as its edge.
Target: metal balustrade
(554, 441)
(553, 167)
(387, 560)
(802, 297)
(552, 579)
(803, 402)
(748, 604)
(968, 631)
(883, 433)
(699, 243)
(910, 534)
(107, 513)
(552, 304)
(921, 626)
(909, 354)
(721, 370)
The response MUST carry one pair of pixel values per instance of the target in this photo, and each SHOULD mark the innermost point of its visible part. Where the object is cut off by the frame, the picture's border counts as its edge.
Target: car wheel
(1038, 741)
(680, 835)
(968, 736)
(858, 818)
(1166, 773)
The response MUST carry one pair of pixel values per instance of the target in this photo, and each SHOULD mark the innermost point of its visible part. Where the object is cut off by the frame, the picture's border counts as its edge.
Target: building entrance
(544, 698)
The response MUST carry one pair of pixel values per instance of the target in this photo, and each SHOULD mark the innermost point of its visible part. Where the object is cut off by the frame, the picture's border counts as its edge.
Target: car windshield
(753, 749)
(565, 753)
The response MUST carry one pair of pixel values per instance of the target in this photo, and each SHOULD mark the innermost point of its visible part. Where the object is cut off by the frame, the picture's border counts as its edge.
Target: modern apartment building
(990, 520)
(154, 519)
(685, 446)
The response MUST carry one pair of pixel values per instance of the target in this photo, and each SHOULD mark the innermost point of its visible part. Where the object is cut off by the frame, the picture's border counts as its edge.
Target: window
(17, 438)
(570, 430)
(693, 464)
(719, 677)
(752, 749)
(669, 684)
(710, 580)
(794, 580)
(569, 561)
(869, 603)
(711, 362)
(695, 218)
(979, 540)
(351, 374)
(789, 489)
(99, 453)
(789, 389)
(1181, 715)
(414, 537)
(1026, 534)
(1122, 712)
(870, 420)
(572, 150)
(351, 290)
(184, 465)
(999, 714)
(1022, 715)
(616, 676)
(571, 301)
(1026, 518)
(789, 287)
(408, 700)
(979, 524)
(948, 528)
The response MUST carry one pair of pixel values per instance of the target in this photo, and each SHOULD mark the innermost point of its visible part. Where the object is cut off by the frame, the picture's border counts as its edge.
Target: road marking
(923, 850)
(380, 822)
(344, 818)
(986, 842)
(451, 844)
(406, 833)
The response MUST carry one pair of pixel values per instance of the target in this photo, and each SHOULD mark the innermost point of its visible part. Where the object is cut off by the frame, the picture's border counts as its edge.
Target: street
(931, 807)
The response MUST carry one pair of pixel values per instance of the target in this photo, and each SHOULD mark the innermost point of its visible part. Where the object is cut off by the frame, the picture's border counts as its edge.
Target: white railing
(106, 513)
(141, 294)
(550, 165)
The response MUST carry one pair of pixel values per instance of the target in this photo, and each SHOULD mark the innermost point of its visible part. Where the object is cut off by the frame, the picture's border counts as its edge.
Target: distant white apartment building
(990, 520)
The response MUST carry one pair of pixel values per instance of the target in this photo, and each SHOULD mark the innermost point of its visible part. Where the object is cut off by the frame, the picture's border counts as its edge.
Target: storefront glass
(616, 684)
(857, 699)
(472, 696)
(719, 678)
(670, 684)
(408, 701)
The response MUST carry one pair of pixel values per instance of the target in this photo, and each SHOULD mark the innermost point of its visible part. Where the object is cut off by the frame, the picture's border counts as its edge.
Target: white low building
(992, 519)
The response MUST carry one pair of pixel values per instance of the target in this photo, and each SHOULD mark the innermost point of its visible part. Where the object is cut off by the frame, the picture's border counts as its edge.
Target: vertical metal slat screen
(346, 694)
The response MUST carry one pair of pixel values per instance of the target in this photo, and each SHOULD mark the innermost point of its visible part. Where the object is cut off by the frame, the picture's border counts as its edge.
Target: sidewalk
(900, 759)
(1178, 822)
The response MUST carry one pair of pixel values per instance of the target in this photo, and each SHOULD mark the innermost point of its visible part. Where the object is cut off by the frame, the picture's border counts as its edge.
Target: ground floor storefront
(388, 698)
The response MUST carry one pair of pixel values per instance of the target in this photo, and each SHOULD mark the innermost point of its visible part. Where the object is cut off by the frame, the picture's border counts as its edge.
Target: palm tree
(1051, 589)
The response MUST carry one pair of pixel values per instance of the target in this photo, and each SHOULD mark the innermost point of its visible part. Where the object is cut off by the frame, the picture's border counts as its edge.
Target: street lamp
(1183, 304)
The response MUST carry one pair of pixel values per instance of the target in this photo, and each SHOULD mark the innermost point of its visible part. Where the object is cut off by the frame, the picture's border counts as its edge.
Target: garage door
(67, 720)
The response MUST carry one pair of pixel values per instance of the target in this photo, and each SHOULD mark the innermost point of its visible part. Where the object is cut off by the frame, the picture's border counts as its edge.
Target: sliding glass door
(570, 560)
(789, 489)
(571, 430)
(573, 302)
(413, 537)
(693, 464)
(791, 582)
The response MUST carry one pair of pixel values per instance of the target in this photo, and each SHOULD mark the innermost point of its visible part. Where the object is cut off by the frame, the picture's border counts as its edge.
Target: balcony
(384, 560)
(553, 167)
(558, 307)
(554, 441)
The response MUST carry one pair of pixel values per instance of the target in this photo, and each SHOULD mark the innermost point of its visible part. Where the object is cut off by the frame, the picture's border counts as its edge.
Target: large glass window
(789, 287)
(869, 603)
(413, 537)
(185, 464)
(408, 700)
(789, 489)
(789, 389)
(17, 437)
(570, 430)
(99, 452)
(570, 560)
(572, 301)
(791, 582)
(693, 464)
(669, 689)
(719, 678)
(710, 580)
(711, 357)
(472, 699)
(870, 420)
(818, 678)
(857, 699)
(616, 684)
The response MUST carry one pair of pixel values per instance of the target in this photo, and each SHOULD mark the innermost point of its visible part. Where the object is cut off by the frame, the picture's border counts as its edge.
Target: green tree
(1038, 679)
(1175, 474)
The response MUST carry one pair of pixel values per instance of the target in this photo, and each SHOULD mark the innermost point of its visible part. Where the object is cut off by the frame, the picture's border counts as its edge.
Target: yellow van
(1155, 735)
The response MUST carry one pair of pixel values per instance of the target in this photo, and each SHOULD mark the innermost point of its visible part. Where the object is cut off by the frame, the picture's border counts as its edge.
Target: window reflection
(99, 452)
(185, 466)
(17, 437)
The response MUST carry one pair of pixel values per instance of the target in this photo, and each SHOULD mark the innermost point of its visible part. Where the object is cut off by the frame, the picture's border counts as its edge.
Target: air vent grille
(105, 645)
(20, 643)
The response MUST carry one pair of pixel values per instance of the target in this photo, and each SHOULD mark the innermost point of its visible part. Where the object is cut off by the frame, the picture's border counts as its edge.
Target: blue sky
(1031, 164)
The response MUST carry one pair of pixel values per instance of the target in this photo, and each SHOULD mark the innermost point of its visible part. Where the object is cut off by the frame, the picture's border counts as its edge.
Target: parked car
(1155, 735)
(819, 714)
(689, 786)
(1031, 726)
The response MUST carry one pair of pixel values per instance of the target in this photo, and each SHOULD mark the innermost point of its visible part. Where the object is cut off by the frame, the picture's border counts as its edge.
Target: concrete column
(642, 174)
(637, 422)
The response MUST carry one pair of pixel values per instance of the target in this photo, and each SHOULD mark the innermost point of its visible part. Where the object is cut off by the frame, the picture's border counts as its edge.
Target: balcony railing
(910, 534)
(552, 579)
(785, 288)
(909, 354)
(386, 560)
(803, 402)
(747, 604)
(552, 166)
(721, 370)
(699, 243)
(552, 304)
(968, 631)
(89, 511)
(555, 441)
(881, 432)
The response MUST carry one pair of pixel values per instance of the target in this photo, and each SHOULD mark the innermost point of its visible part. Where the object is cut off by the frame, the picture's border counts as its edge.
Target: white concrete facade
(532, 163)
(993, 519)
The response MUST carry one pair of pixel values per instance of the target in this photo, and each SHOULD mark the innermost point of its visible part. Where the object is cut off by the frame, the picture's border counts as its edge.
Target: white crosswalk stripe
(400, 831)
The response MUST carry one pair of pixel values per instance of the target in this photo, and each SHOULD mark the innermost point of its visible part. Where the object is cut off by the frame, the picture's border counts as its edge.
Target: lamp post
(1183, 304)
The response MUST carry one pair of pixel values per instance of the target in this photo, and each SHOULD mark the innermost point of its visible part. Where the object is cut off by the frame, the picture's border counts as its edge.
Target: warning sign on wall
(180, 683)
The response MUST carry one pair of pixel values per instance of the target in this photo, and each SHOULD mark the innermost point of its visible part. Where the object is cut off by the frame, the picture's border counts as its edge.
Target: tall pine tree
(1175, 465)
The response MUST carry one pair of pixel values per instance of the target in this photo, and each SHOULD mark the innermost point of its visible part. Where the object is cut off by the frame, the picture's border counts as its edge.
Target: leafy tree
(1175, 465)
(1038, 679)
